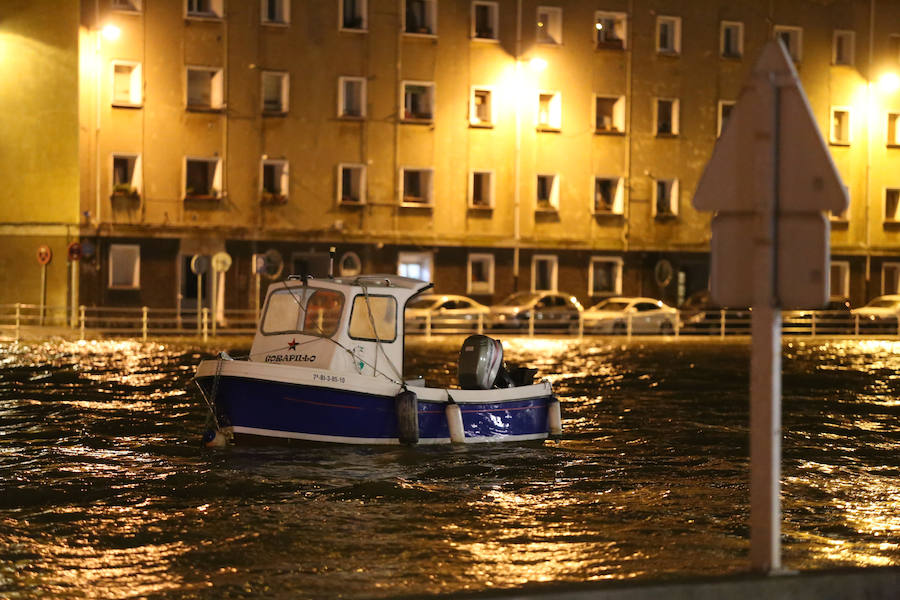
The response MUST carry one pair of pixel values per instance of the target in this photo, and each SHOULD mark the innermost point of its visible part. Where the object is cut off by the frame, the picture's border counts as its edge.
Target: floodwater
(106, 493)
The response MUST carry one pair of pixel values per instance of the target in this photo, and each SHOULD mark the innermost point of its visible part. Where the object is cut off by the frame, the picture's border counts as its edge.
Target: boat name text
(290, 358)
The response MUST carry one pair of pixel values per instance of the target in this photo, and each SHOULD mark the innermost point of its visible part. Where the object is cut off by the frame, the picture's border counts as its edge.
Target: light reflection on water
(105, 493)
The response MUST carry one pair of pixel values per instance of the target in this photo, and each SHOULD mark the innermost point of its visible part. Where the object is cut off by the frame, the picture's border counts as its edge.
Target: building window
(843, 48)
(547, 192)
(352, 97)
(275, 88)
(725, 108)
(354, 14)
(275, 181)
(351, 184)
(792, 38)
(480, 274)
(665, 198)
(127, 85)
(605, 276)
(417, 187)
(127, 5)
(549, 25)
(202, 178)
(609, 196)
(421, 17)
(417, 265)
(484, 20)
(893, 129)
(481, 189)
(549, 117)
(731, 39)
(668, 35)
(275, 12)
(665, 116)
(610, 30)
(124, 266)
(609, 114)
(892, 205)
(840, 126)
(204, 9)
(840, 281)
(418, 101)
(205, 89)
(543, 273)
(126, 176)
(481, 108)
(890, 278)
(349, 264)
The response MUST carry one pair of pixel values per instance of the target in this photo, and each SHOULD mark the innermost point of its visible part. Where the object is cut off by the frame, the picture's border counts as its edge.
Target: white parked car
(447, 311)
(880, 313)
(647, 315)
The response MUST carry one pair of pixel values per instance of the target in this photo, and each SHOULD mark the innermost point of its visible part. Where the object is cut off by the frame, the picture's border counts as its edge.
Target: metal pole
(18, 320)
(144, 323)
(765, 377)
(43, 292)
(722, 323)
(205, 313)
(199, 301)
(214, 301)
(256, 297)
(73, 319)
(81, 319)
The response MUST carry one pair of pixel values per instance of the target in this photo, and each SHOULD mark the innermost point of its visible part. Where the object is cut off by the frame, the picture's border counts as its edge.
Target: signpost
(199, 266)
(44, 256)
(74, 253)
(221, 262)
(769, 180)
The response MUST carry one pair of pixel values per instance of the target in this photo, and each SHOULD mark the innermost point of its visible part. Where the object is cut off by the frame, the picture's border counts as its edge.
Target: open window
(666, 117)
(351, 97)
(892, 205)
(420, 17)
(275, 181)
(481, 107)
(275, 89)
(416, 187)
(203, 178)
(480, 274)
(605, 276)
(840, 131)
(481, 190)
(418, 101)
(126, 176)
(609, 114)
(893, 129)
(665, 198)
(725, 108)
(609, 196)
(205, 88)
(610, 30)
(127, 90)
(549, 116)
(549, 25)
(351, 184)
(547, 194)
(275, 12)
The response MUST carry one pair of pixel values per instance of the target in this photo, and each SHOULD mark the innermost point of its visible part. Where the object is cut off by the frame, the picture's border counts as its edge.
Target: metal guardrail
(132, 322)
(144, 321)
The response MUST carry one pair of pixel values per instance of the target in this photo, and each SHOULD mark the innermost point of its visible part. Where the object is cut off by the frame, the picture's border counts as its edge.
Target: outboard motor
(480, 362)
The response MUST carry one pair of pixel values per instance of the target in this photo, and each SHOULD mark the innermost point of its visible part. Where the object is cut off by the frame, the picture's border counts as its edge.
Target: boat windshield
(518, 299)
(303, 310)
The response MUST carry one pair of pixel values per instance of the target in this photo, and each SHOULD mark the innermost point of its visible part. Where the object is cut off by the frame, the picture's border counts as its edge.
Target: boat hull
(275, 401)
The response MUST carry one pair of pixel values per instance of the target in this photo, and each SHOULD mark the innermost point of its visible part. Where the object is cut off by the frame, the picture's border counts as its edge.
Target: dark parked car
(699, 314)
(551, 310)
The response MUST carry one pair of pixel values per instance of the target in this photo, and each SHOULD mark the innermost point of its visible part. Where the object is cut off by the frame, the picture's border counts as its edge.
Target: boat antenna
(331, 263)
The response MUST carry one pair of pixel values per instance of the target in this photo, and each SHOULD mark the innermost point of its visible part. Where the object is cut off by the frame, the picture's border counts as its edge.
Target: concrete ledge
(844, 584)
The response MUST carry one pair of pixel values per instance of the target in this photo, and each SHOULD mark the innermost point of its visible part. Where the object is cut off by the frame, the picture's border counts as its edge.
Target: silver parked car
(550, 310)
(880, 314)
(447, 311)
(647, 315)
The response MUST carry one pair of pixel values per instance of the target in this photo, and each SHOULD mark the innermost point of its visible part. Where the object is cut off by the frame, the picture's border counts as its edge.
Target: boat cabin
(346, 324)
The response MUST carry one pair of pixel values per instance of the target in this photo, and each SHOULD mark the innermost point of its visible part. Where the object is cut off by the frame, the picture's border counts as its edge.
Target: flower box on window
(273, 198)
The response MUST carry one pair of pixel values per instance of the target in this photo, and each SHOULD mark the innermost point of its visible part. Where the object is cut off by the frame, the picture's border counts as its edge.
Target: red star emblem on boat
(292, 344)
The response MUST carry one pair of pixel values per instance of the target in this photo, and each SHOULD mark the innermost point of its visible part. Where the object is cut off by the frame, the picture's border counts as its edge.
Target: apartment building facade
(489, 146)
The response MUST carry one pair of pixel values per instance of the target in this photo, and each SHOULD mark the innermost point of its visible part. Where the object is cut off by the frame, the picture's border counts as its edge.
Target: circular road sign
(199, 264)
(44, 254)
(74, 251)
(221, 262)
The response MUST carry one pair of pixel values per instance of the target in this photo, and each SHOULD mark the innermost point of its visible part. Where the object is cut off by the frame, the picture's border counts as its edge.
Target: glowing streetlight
(889, 83)
(111, 32)
(537, 64)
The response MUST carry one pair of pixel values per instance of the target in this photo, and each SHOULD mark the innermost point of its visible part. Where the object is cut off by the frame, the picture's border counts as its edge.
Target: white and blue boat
(326, 365)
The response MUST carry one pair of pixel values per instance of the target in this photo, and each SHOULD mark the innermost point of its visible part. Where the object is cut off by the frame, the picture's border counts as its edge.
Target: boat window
(323, 313)
(383, 315)
(283, 313)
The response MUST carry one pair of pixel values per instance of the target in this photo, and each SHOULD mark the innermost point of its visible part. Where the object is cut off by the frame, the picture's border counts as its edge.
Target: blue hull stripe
(318, 411)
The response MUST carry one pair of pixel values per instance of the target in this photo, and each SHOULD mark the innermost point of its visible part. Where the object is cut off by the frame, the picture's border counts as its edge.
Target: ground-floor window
(605, 276)
(543, 273)
(890, 278)
(840, 280)
(418, 265)
(124, 266)
(480, 274)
